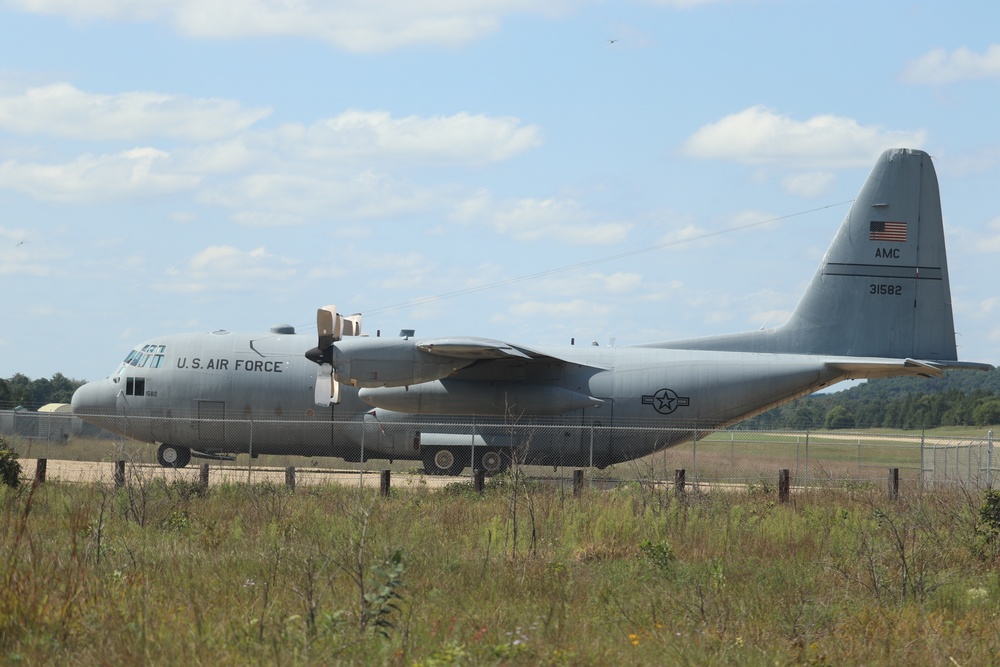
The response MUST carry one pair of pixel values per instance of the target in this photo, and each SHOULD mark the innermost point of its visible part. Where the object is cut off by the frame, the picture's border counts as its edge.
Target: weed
(255, 574)
(381, 602)
(661, 554)
(10, 467)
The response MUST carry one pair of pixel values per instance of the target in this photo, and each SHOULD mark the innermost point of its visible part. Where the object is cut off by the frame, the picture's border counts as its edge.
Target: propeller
(331, 327)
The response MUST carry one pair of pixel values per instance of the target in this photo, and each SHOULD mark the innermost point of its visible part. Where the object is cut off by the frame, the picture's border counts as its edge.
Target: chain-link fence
(708, 457)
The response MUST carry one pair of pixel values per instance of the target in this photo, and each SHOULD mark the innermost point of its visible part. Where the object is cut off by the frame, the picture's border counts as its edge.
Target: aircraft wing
(855, 367)
(472, 347)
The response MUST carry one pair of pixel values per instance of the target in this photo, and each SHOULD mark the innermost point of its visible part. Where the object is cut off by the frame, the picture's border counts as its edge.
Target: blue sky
(195, 165)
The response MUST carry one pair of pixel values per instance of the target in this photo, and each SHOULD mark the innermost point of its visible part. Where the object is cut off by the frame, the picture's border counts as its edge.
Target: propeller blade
(330, 328)
(351, 325)
(327, 389)
(327, 326)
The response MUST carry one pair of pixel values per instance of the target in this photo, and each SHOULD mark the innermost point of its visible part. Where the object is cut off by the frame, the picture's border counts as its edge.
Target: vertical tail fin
(882, 289)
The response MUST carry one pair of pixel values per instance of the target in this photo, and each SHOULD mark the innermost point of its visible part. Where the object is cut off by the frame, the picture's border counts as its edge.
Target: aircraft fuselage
(239, 393)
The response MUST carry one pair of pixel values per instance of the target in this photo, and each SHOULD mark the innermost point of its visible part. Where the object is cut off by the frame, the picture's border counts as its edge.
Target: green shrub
(10, 467)
(660, 553)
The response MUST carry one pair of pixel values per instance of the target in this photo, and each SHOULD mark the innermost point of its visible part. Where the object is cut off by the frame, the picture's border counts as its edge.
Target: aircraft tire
(443, 461)
(171, 456)
(494, 461)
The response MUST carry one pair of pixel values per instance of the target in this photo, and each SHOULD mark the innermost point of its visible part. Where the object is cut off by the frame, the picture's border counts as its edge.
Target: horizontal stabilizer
(856, 368)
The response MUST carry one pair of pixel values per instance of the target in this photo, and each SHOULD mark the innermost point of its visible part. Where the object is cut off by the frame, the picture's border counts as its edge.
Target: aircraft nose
(95, 398)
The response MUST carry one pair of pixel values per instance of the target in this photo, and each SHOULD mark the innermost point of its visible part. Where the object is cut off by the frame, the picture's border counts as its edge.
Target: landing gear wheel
(443, 462)
(494, 461)
(171, 456)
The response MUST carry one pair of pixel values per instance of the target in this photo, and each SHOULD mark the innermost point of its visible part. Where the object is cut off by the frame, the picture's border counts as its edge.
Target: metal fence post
(807, 460)
(732, 456)
(472, 451)
(923, 466)
(694, 456)
(859, 456)
(591, 466)
(798, 438)
(361, 459)
(250, 453)
(989, 459)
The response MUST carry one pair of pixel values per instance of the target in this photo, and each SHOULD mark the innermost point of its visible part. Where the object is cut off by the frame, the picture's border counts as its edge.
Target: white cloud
(598, 285)
(989, 243)
(534, 219)
(398, 271)
(291, 198)
(89, 178)
(810, 185)
(575, 309)
(758, 135)
(361, 136)
(272, 177)
(62, 110)
(224, 268)
(938, 66)
(355, 25)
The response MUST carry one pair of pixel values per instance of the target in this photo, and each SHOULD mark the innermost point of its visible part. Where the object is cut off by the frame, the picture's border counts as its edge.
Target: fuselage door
(212, 421)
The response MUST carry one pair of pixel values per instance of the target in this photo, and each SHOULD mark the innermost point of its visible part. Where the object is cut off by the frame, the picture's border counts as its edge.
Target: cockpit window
(150, 356)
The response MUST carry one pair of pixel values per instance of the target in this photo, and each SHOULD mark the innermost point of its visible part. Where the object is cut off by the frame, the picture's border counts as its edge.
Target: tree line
(960, 398)
(21, 391)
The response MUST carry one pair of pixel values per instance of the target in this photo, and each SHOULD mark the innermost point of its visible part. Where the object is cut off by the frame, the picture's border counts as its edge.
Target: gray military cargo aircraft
(879, 305)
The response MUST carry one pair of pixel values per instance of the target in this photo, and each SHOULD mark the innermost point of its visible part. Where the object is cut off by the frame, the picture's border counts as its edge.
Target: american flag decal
(887, 231)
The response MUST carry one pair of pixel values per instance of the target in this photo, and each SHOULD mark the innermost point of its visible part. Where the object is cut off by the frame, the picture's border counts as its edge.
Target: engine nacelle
(475, 397)
(388, 362)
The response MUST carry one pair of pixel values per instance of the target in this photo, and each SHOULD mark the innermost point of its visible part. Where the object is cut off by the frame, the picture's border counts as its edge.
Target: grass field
(524, 574)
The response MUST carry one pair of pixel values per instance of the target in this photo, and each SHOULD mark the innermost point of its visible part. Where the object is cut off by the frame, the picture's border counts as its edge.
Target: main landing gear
(172, 456)
(452, 461)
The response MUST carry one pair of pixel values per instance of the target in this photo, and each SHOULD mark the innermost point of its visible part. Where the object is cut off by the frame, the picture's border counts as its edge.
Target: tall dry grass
(524, 574)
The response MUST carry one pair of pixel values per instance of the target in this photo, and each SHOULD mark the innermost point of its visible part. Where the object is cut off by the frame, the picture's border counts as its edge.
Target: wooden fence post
(784, 485)
(577, 481)
(119, 473)
(479, 479)
(40, 466)
(290, 478)
(679, 483)
(384, 486)
(203, 478)
(893, 483)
